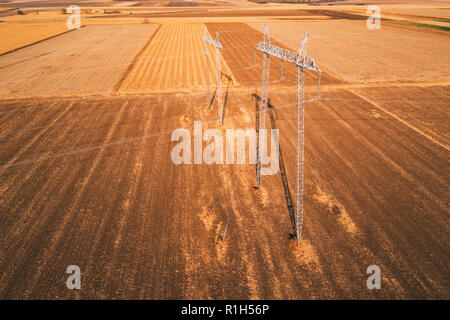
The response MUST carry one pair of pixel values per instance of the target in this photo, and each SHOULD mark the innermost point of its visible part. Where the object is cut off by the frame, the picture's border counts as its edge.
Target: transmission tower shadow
(229, 81)
(212, 99)
(287, 190)
(257, 135)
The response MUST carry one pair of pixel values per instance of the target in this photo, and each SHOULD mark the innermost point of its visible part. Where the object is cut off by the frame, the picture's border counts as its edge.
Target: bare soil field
(89, 60)
(182, 4)
(87, 179)
(239, 42)
(340, 45)
(96, 173)
(425, 108)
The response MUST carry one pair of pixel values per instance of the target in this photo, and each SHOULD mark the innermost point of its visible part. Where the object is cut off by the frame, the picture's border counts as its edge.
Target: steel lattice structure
(218, 45)
(264, 97)
(302, 62)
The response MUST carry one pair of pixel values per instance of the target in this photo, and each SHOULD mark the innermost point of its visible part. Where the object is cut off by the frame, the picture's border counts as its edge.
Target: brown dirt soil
(90, 182)
(424, 108)
(182, 4)
(239, 40)
(86, 176)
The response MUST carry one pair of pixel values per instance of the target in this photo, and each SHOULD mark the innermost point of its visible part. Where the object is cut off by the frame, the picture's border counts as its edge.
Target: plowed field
(90, 182)
(239, 42)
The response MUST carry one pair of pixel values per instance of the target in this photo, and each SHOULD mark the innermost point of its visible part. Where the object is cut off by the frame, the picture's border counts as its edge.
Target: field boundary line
(36, 42)
(384, 84)
(133, 63)
(250, 86)
(402, 121)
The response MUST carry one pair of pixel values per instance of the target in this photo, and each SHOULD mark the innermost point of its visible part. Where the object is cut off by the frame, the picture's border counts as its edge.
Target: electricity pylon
(216, 43)
(301, 61)
(264, 97)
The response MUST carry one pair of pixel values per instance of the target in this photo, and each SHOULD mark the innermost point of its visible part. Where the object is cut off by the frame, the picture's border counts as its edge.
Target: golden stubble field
(16, 35)
(86, 176)
(357, 54)
(86, 61)
(174, 59)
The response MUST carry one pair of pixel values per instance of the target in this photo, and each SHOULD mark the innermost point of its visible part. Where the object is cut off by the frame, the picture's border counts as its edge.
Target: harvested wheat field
(173, 59)
(414, 55)
(88, 125)
(89, 60)
(19, 35)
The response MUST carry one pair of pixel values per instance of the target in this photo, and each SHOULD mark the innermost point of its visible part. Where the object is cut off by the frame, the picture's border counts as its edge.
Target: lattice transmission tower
(218, 45)
(301, 62)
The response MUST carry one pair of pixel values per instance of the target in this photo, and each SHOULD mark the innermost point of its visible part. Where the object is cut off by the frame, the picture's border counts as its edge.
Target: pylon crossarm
(301, 52)
(287, 55)
(214, 42)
